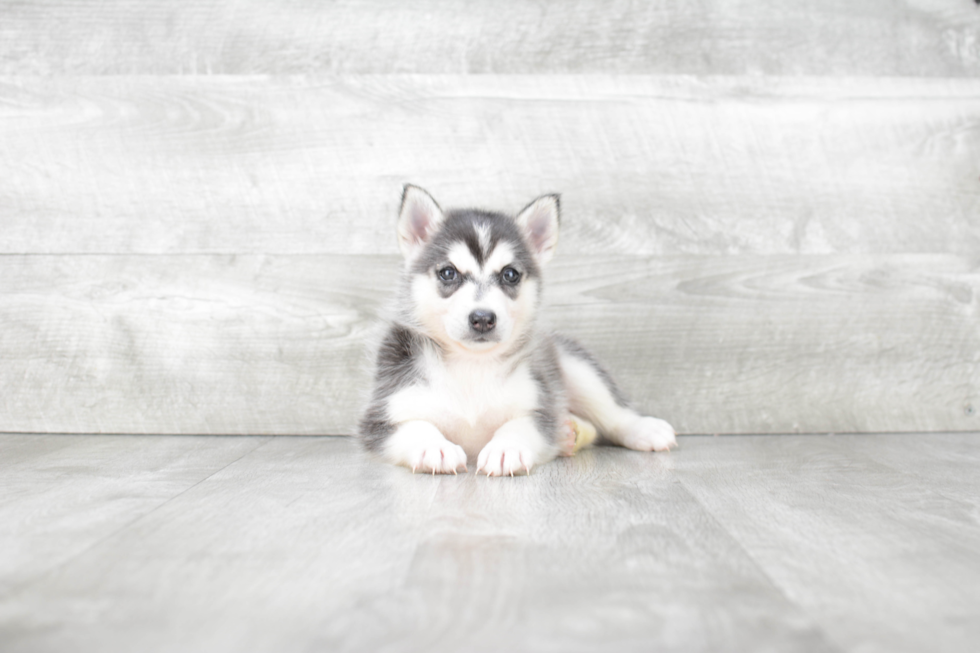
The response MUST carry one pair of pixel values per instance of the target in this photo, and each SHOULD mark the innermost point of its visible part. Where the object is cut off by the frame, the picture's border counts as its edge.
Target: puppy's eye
(510, 276)
(448, 273)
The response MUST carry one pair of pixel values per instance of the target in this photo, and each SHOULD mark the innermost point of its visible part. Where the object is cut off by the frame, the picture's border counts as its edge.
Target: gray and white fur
(464, 373)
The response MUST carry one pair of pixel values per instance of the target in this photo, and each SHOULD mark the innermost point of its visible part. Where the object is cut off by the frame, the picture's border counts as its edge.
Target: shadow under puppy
(464, 371)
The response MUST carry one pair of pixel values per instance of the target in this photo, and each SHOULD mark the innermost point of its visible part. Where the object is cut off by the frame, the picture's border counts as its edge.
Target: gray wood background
(771, 209)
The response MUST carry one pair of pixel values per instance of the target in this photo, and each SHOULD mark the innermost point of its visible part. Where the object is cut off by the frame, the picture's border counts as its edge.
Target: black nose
(483, 321)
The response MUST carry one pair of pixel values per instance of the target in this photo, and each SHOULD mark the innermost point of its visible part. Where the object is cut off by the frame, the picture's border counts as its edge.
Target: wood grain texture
(307, 545)
(791, 543)
(63, 495)
(647, 165)
(785, 343)
(950, 467)
(279, 344)
(193, 344)
(902, 577)
(849, 37)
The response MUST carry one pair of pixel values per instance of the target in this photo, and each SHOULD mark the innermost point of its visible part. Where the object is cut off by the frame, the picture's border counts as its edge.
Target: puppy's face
(478, 301)
(475, 275)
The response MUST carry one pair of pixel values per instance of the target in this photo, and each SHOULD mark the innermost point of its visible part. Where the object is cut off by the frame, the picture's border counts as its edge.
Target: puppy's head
(475, 275)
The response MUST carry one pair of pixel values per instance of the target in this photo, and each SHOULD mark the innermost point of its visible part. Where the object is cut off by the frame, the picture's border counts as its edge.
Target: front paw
(444, 458)
(505, 459)
(422, 448)
(649, 434)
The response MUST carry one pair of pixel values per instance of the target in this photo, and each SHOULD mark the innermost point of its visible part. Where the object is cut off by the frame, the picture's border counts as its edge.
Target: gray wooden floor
(166, 543)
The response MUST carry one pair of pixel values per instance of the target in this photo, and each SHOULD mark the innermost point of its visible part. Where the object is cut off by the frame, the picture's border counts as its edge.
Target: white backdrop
(771, 209)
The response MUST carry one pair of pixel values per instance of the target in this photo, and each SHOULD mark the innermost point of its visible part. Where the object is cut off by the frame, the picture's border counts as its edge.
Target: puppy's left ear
(539, 221)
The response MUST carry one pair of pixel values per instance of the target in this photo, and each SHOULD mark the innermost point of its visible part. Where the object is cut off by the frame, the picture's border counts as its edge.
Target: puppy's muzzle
(483, 321)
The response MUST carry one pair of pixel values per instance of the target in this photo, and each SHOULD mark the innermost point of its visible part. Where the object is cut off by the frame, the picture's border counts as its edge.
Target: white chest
(467, 400)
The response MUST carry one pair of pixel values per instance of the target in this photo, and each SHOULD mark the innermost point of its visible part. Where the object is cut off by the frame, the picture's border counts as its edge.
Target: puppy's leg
(515, 448)
(593, 395)
(420, 446)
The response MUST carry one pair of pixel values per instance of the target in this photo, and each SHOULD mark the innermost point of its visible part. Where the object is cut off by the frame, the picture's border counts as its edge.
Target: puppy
(464, 373)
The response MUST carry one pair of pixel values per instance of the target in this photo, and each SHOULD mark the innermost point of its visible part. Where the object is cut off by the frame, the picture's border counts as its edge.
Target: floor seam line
(758, 566)
(23, 586)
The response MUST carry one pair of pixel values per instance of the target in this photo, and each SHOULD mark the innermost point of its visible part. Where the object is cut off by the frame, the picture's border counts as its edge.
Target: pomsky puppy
(464, 372)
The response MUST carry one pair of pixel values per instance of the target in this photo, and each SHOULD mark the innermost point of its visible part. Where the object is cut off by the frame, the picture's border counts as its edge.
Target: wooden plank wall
(771, 210)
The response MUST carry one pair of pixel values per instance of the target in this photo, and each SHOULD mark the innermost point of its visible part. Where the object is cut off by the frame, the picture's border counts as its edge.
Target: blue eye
(510, 276)
(448, 273)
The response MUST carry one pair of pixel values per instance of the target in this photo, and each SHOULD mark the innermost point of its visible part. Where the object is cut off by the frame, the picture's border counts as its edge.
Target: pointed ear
(539, 221)
(418, 219)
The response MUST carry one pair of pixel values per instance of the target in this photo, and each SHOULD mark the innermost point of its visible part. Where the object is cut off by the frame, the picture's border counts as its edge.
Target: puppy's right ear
(418, 220)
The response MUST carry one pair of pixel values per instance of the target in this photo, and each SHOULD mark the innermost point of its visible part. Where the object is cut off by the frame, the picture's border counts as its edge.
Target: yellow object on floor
(585, 433)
